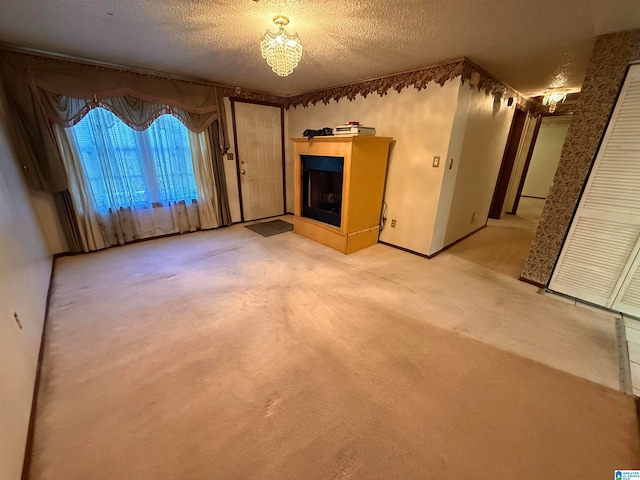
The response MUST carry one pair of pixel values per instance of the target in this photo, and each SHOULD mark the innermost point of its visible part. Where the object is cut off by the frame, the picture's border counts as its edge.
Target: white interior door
(598, 262)
(259, 137)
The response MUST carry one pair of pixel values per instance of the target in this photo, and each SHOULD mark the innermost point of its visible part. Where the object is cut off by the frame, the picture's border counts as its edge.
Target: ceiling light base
(281, 21)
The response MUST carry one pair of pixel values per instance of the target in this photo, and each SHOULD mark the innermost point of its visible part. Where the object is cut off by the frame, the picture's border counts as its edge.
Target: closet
(599, 262)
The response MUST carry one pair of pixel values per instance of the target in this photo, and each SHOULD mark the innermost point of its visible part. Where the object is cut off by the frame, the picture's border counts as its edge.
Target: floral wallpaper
(611, 56)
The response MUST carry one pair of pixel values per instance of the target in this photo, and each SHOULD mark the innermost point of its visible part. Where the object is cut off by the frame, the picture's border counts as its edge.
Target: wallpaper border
(440, 73)
(471, 73)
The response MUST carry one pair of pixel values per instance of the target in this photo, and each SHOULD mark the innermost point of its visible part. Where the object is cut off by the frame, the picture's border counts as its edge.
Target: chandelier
(281, 50)
(554, 96)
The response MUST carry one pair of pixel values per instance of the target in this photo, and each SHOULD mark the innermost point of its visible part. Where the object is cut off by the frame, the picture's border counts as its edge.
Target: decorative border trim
(253, 95)
(440, 73)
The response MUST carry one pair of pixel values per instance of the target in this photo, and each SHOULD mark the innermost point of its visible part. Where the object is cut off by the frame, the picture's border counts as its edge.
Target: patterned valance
(43, 91)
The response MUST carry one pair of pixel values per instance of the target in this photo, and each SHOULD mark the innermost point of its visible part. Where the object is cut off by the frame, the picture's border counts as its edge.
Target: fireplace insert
(322, 188)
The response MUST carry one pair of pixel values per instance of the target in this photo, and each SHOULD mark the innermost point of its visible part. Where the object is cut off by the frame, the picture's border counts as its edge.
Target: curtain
(206, 187)
(30, 133)
(220, 179)
(44, 91)
(154, 183)
(68, 220)
(136, 113)
(87, 220)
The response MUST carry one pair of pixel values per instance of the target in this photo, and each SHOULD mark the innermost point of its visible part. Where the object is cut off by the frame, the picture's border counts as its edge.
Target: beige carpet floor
(228, 355)
(503, 244)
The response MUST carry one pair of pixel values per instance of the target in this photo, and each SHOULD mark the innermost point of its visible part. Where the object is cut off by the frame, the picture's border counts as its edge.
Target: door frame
(233, 101)
(508, 161)
(527, 162)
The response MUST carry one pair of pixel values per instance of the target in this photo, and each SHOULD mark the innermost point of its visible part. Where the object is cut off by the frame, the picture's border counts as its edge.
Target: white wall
(420, 122)
(25, 267)
(546, 156)
(485, 136)
(450, 164)
(45, 209)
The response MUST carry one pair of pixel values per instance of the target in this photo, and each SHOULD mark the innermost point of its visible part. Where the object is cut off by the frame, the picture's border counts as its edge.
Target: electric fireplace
(338, 182)
(322, 188)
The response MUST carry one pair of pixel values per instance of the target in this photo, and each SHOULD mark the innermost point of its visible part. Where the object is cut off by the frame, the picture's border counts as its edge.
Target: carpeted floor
(503, 244)
(227, 355)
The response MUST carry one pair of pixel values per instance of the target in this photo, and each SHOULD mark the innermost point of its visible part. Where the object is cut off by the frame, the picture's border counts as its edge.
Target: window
(127, 168)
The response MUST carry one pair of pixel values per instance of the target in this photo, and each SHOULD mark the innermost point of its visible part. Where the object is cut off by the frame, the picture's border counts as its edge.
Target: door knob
(243, 171)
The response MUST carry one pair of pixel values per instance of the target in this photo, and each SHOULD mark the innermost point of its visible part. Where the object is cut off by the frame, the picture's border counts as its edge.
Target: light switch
(436, 161)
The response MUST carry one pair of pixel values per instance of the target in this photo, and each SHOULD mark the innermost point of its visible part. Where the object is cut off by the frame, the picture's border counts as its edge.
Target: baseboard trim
(140, 240)
(424, 255)
(532, 282)
(457, 241)
(26, 464)
(404, 249)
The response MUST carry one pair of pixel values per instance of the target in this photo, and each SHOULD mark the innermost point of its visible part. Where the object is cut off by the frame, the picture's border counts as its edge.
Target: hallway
(502, 246)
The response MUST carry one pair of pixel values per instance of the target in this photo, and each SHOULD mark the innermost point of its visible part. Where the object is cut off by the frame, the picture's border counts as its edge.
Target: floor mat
(274, 227)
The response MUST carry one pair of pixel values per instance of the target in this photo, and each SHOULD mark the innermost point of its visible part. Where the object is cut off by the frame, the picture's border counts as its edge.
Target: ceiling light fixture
(554, 96)
(281, 50)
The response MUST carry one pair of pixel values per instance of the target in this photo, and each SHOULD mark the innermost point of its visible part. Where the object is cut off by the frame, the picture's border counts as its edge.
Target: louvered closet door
(628, 298)
(599, 255)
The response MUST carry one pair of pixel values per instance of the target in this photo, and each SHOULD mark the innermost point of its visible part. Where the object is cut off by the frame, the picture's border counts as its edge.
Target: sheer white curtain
(203, 173)
(129, 185)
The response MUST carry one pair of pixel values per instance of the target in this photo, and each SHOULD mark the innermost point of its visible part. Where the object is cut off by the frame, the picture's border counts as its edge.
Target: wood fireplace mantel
(365, 166)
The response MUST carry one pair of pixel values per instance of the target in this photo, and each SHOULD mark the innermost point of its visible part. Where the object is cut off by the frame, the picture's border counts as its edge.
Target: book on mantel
(354, 130)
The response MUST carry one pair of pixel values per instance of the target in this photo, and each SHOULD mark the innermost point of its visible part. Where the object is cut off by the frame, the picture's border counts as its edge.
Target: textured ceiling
(531, 45)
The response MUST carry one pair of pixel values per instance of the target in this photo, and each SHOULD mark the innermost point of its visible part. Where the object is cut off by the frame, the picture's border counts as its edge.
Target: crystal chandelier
(281, 50)
(554, 96)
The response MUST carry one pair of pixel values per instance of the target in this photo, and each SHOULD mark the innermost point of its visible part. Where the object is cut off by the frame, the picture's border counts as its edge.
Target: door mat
(274, 227)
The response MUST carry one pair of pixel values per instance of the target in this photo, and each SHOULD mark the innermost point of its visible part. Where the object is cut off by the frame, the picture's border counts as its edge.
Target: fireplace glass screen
(322, 188)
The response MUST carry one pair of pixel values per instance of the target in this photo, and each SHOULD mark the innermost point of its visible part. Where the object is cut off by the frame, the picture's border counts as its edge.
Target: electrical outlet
(436, 161)
(17, 319)
(229, 156)
(393, 223)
